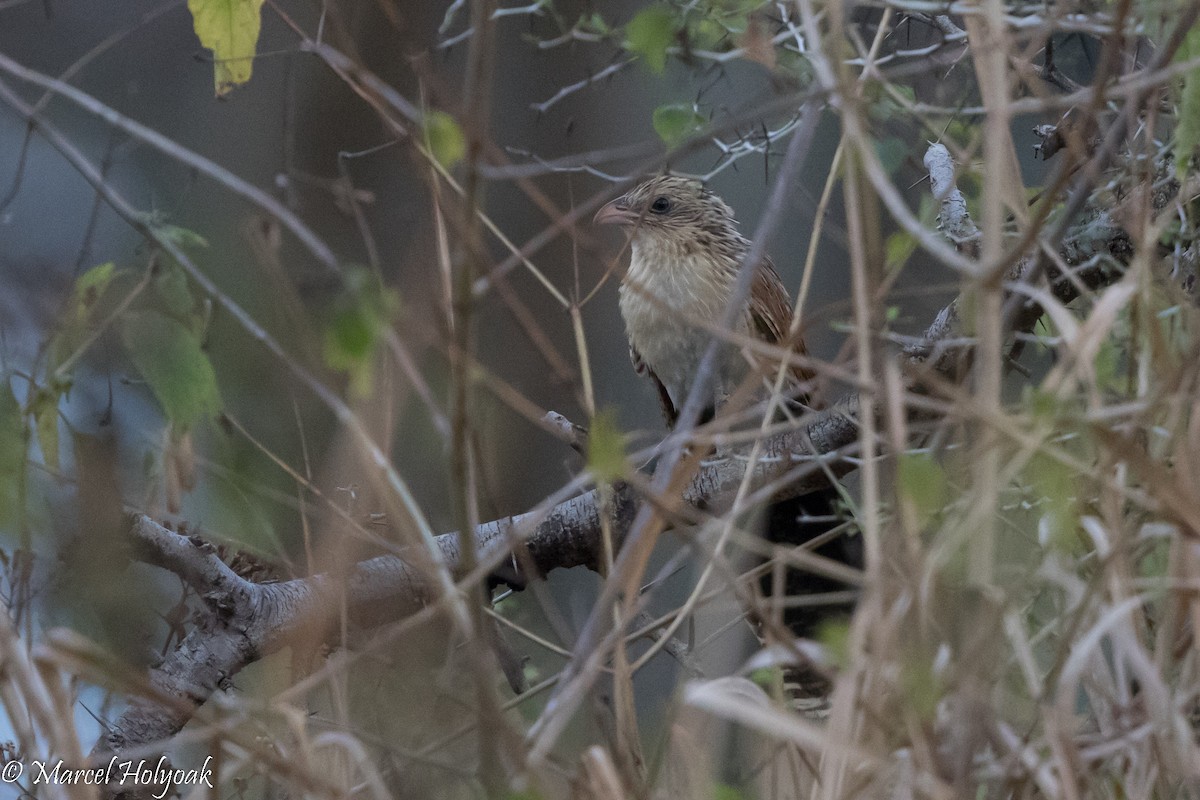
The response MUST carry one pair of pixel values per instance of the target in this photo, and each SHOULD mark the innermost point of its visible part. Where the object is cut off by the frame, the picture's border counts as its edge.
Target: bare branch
(953, 220)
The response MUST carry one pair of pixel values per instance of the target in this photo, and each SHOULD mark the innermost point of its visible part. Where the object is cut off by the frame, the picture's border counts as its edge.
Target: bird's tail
(810, 599)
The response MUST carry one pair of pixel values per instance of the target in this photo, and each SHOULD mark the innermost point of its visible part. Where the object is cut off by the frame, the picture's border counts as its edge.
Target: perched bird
(685, 253)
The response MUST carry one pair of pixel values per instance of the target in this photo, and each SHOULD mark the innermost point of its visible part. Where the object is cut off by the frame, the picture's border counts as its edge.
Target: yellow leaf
(45, 415)
(650, 33)
(606, 446)
(444, 138)
(230, 29)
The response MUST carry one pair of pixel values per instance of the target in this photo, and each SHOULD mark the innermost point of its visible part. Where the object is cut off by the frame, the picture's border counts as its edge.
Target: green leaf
(795, 64)
(899, 248)
(350, 341)
(12, 452)
(723, 791)
(958, 130)
(708, 34)
(765, 677)
(884, 105)
(230, 29)
(1156, 563)
(650, 33)
(1187, 134)
(169, 358)
(353, 334)
(89, 289)
(1055, 487)
(593, 24)
(91, 284)
(675, 122)
(171, 285)
(606, 446)
(45, 417)
(1043, 406)
(922, 481)
(184, 237)
(834, 636)
(1107, 365)
(921, 688)
(908, 93)
(12, 431)
(892, 152)
(444, 138)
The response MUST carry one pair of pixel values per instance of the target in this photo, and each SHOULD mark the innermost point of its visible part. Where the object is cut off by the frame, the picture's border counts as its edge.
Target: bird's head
(671, 206)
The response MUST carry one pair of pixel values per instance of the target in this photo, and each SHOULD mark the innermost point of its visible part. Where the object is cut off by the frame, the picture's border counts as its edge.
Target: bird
(685, 253)
(686, 250)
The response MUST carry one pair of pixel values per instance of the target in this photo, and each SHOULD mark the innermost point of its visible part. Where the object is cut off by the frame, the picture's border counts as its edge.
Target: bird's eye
(661, 205)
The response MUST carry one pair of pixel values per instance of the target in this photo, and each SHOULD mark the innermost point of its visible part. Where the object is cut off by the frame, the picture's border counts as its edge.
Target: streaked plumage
(685, 252)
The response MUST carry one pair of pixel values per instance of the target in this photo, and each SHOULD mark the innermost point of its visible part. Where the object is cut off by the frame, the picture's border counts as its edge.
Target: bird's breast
(668, 297)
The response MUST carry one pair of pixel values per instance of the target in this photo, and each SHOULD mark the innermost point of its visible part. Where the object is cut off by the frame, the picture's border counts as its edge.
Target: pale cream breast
(666, 298)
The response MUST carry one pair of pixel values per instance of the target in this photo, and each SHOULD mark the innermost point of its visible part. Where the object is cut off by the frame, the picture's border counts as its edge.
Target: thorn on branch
(567, 91)
(954, 221)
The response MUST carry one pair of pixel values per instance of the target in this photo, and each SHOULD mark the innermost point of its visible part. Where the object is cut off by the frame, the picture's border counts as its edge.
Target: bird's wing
(670, 413)
(771, 314)
(639, 366)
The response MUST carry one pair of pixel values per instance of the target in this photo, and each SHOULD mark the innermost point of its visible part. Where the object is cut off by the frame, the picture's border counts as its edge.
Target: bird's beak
(615, 213)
